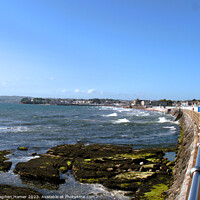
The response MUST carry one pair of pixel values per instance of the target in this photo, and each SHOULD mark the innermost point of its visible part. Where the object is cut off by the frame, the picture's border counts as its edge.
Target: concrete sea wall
(186, 153)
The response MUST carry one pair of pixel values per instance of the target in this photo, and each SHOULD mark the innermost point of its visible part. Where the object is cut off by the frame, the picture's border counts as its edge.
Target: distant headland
(193, 104)
(137, 103)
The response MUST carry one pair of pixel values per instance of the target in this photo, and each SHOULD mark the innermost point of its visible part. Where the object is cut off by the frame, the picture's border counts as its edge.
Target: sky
(121, 49)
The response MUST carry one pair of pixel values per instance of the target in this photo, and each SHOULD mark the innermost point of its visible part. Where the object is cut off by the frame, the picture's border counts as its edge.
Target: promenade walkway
(194, 166)
(186, 185)
(190, 187)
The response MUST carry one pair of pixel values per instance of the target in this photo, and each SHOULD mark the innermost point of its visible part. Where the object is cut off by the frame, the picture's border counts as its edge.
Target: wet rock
(44, 168)
(135, 176)
(120, 185)
(4, 165)
(22, 148)
(116, 167)
(11, 192)
(90, 151)
(33, 154)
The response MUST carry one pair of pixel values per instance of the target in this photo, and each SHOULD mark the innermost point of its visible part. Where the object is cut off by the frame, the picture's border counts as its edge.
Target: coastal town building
(136, 102)
(148, 103)
(145, 103)
(190, 103)
(158, 103)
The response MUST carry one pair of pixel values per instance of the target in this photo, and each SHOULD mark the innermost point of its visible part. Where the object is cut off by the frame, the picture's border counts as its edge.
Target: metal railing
(194, 193)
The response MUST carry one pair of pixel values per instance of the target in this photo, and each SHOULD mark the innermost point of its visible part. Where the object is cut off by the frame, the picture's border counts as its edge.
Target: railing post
(195, 187)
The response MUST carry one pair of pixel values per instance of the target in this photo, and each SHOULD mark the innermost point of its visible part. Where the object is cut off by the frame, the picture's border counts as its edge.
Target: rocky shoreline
(11, 192)
(144, 173)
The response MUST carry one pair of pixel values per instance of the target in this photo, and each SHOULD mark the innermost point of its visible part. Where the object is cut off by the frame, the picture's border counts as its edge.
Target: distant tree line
(35, 101)
(95, 101)
(103, 101)
(169, 102)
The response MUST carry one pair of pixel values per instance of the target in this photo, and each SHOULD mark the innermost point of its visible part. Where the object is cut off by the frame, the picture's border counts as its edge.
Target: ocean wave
(14, 129)
(111, 115)
(123, 136)
(116, 109)
(176, 122)
(164, 120)
(141, 114)
(170, 127)
(105, 108)
(127, 109)
(168, 133)
(120, 121)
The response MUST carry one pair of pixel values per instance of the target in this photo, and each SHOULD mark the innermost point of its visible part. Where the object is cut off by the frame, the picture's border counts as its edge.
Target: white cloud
(77, 91)
(90, 91)
(64, 91)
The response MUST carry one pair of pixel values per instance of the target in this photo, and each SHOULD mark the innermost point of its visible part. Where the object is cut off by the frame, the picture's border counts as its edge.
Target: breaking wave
(170, 127)
(14, 129)
(111, 115)
(120, 121)
(164, 120)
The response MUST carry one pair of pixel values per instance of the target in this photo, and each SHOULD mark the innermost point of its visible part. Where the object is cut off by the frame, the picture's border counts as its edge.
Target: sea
(40, 127)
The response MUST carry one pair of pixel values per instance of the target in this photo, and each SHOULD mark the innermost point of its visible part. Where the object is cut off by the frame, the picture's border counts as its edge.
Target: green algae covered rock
(156, 192)
(135, 176)
(45, 168)
(22, 148)
(115, 167)
(11, 192)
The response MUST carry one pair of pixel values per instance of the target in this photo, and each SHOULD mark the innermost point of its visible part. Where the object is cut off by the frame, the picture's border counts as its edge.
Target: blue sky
(126, 49)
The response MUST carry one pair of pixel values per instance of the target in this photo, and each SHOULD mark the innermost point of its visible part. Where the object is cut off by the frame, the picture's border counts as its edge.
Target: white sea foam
(163, 120)
(20, 129)
(119, 121)
(126, 109)
(124, 136)
(105, 108)
(14, 129)
(137, 113)
(176, 122)
(111, 115)
(24, 158)
(115, 194)
(142, 114)
(116, 109)
(162, 134)
(145, 114)
(170, 127)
